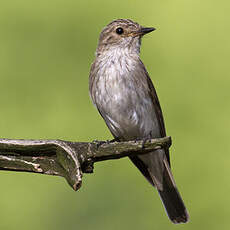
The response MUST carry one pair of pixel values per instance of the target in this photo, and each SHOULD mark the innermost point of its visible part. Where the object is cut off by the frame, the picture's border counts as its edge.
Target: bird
(123, 93)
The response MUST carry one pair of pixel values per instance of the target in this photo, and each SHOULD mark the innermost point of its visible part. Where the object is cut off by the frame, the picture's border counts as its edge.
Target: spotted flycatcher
(124, 95)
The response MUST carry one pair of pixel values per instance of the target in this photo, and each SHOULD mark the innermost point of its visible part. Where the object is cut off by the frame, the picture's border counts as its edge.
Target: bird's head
(122, 33)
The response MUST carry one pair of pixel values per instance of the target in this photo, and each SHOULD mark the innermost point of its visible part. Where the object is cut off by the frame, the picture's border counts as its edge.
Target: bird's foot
(99, 143)
(144, 140)
(112, 141)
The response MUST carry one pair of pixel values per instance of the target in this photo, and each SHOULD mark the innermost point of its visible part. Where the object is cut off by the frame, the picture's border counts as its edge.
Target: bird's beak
(142, 31)
(145, 30)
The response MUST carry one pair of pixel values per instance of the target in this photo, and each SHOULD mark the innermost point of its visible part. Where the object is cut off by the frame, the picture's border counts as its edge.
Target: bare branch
(68, 159)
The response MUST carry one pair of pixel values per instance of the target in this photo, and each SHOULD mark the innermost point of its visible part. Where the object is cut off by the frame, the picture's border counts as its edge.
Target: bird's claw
(99, 143)
(144, 140)
(112, 141)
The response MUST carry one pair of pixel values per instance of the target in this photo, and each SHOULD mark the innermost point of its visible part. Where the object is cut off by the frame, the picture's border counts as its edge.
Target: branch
(68, 159)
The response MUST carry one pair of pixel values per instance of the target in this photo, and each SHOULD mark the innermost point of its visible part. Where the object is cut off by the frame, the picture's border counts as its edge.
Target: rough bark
(68, 159)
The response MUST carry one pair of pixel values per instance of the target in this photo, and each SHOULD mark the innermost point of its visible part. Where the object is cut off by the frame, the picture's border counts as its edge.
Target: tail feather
(174, 205)
(155, 167)
(170, 195)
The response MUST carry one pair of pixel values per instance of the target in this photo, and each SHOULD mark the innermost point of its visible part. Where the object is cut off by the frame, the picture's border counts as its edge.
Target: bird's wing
(155, 100)
(138, 161)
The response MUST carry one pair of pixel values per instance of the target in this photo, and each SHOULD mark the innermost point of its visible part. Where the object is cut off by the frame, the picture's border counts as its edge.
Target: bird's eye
(119, 31)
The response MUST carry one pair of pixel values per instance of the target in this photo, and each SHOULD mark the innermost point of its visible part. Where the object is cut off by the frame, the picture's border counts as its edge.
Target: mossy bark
(68, 159)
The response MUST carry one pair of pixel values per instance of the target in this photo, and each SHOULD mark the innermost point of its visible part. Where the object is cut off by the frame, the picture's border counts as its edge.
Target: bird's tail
(163, 180)
(159, 174)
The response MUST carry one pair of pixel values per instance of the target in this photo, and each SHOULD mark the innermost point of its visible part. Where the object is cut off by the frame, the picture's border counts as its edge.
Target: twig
(68, 159)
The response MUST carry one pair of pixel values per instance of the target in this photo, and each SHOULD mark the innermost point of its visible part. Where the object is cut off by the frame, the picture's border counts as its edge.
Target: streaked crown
(121, 33)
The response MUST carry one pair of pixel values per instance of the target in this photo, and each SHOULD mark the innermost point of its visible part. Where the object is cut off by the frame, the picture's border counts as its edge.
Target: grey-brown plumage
(124, 95)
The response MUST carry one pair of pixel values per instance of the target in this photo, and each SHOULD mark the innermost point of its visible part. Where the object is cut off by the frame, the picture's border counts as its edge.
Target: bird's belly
(128, 114)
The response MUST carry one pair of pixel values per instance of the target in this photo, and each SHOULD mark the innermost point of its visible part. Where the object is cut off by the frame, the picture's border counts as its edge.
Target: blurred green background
(46, 48)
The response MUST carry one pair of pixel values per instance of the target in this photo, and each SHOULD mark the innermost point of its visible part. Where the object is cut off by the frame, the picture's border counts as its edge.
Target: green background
(46, 48)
